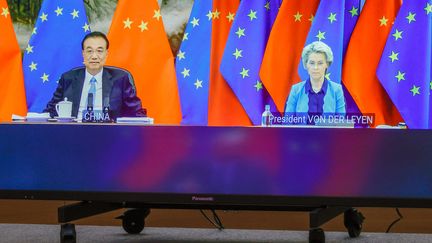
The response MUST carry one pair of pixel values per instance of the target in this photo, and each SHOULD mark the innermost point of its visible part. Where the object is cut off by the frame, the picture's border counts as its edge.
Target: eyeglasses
(98, 52)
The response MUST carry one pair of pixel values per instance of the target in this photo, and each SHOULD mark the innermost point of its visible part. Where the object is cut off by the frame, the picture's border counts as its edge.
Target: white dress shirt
(97, 101)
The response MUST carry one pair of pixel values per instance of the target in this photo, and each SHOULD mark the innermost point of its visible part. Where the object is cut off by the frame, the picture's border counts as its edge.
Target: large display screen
(207, 162)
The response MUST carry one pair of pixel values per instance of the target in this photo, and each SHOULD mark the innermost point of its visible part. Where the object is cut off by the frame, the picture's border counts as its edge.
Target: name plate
(94, 116)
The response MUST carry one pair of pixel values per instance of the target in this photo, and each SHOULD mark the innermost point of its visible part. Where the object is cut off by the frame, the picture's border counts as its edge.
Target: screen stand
(134, 219)
(353, 221)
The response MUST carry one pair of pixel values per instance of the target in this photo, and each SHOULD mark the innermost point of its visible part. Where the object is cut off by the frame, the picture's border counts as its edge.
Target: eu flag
(328, 27)
(405, 66)
(193, 65)
(352, 13)
(54, 47)
(244, 52)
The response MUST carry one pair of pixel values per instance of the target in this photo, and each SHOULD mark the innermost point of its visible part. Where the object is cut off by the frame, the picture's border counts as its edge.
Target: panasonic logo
(195, 198)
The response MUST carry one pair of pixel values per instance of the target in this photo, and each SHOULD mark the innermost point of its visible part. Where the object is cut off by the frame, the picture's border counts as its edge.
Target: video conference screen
(357, 62)
(217, 70)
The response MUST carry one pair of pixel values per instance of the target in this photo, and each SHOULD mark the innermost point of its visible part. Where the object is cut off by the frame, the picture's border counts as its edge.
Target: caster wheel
(67, 233)
(316, 235)
(133, 220)
(353, 221)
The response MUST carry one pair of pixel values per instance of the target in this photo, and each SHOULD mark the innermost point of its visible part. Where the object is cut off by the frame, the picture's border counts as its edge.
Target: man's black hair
(95, 34)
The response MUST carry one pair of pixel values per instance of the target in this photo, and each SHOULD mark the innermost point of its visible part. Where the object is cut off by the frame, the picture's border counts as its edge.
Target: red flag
(12, 92)
(138, 43)
(284, 47)
(224, 107)
(362, 58)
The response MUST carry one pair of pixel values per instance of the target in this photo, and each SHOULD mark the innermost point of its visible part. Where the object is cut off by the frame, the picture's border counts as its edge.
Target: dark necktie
(92, 89)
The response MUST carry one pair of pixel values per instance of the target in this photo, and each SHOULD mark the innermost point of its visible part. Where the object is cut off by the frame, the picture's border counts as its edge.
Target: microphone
(88, 115)
(106, 110)
(106, 103)
(90, 102)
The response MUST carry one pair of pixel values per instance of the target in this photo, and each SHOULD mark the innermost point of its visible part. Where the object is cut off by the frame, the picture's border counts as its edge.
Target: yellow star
(410, 17)
(59, 11)
(258, 85)
(237, 53)
(327, 76)
(29, 49)
(127, 23)
(181, 55)
(86, 27)
(209, 15)
(267, 6)
(240, 32)
(34, 31)
(186, 36)
(394, 56)
(198, 83)
(244, 73)
(311, 19)
(33, 66)
(230, 17)
(157, 14)
(428, 8)
(195, 22)
(383, 21)
(397, 35)
(45, 77)
(75, 14)
(297, 17)
(354, 11)
(415, 90)
(332, 18)
(216, 14)
(400, 76)
(5, 12)
(44, 17)
(143, 26)
(320, 35)
(185, 72)
(252, 15)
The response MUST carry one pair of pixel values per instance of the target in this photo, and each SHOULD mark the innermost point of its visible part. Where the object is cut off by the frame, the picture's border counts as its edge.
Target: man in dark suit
(109, 86)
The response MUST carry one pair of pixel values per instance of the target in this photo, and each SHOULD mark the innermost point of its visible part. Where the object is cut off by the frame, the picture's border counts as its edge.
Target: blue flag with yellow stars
(54, 48)
(244, 52)
(352, 13)
(328, 27)
(193, 65)
(405, 66)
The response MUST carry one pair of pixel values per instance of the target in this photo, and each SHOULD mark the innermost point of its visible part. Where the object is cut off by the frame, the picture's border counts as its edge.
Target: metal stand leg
(67, 233)
(353, 221)
(133, 220)
(85, 209)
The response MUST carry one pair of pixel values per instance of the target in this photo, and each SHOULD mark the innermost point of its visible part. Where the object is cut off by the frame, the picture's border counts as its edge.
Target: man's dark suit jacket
(117, 85)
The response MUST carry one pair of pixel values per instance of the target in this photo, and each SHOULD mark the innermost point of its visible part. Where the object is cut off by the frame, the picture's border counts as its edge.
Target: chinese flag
(284, 47)
(362, 58)
(12, 92)
(224, 107)
(138, 43)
